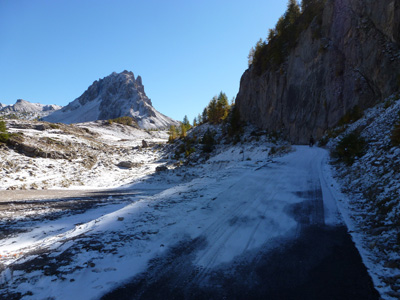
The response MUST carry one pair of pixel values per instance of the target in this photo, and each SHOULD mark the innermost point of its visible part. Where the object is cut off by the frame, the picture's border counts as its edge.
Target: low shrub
(129, 121)
(349, 148)
(395, 137)
(4, 135)
(208, 141)
(351, 116)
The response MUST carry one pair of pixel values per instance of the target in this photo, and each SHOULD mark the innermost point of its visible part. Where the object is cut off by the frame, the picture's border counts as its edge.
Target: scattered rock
(161, 168)
(128, 164)
(144, 144)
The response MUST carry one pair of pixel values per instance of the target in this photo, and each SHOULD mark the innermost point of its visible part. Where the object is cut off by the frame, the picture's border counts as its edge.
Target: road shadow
(322, 263)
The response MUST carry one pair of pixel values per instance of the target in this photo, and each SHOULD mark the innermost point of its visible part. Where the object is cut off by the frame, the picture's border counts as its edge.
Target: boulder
(161, 168)
(128, 165)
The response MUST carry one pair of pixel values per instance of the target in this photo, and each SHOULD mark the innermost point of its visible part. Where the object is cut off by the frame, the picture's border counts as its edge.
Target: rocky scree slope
(349, 55)
(116, 95)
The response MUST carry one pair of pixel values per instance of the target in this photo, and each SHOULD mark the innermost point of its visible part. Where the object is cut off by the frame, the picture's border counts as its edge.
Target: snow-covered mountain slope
(116, 95)
(45, 155)
(27, 110)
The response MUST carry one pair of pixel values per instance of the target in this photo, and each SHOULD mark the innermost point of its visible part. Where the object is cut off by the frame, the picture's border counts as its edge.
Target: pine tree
(194, 122)
(293, 12)
(204, 116)
(271, 34)
(208, 141)
(186, 124)
(173, 134)
(250, 57)
(183, 131)
(222, 107)
(212, 111)
(199, 119)
(186, 121)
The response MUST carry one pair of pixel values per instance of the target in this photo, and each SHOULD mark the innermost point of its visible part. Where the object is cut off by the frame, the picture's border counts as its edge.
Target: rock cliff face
(116, 95)
(354, 61)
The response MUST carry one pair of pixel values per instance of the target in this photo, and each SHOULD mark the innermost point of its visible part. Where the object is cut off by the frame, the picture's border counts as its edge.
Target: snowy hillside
(372, 184)
(116, 95)
(26, 110)
(207, 213)
(86, 156)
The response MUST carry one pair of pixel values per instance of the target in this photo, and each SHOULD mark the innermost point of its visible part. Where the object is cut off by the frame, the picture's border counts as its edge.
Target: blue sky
(185, 51)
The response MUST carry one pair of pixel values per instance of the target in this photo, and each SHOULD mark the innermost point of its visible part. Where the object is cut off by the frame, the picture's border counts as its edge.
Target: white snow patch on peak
(116, 95)
(27, 110)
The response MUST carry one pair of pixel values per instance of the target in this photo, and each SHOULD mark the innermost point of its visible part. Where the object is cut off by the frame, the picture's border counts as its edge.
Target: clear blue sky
(186, 51)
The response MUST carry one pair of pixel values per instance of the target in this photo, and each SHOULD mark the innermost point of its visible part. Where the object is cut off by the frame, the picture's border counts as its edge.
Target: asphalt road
(318, 261)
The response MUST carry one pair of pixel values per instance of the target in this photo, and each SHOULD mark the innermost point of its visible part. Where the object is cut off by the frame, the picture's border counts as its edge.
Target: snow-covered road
(241, 226)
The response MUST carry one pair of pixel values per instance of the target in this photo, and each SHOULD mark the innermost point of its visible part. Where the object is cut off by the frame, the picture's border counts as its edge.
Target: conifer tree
(204, 116)
(183, 131)
(250, 57)
(212, 113)
(199, 119)
(186, 124)
(222, 107)
(293, 12)
(173, 134)
(194, 122)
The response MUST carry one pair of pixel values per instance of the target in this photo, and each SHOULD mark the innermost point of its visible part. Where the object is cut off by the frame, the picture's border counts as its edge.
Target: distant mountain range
(26, 110)
(116, 95)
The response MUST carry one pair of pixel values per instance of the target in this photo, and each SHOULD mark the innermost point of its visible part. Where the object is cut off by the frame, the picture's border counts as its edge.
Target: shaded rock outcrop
(354, 60)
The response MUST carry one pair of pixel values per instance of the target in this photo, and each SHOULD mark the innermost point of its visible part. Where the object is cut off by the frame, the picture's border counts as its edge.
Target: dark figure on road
(312, 142)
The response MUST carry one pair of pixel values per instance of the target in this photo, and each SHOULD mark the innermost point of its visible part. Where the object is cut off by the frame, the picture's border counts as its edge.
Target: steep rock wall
(355, 61)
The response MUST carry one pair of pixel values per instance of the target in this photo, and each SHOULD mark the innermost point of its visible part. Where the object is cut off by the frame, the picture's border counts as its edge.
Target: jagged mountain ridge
(116, 95)
(354, 59)
(26, 109)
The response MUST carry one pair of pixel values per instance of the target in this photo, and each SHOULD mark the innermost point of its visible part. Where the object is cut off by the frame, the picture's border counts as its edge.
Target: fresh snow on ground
(236, 204)
(96, 158)
(371, 206)
(237, 200)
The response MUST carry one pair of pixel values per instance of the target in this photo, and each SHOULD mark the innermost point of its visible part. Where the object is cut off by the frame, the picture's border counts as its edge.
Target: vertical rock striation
(354, 60)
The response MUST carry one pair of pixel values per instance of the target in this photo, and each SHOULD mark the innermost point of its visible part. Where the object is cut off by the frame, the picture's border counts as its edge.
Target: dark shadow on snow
(322, 263)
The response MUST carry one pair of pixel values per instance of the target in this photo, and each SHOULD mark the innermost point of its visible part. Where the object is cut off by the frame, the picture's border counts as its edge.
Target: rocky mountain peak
(116, 95)
(27, 110)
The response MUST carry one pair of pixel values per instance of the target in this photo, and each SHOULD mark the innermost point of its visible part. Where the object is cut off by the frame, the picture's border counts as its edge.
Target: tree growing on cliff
(284, 36)
(204, 116)
(250, 57)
